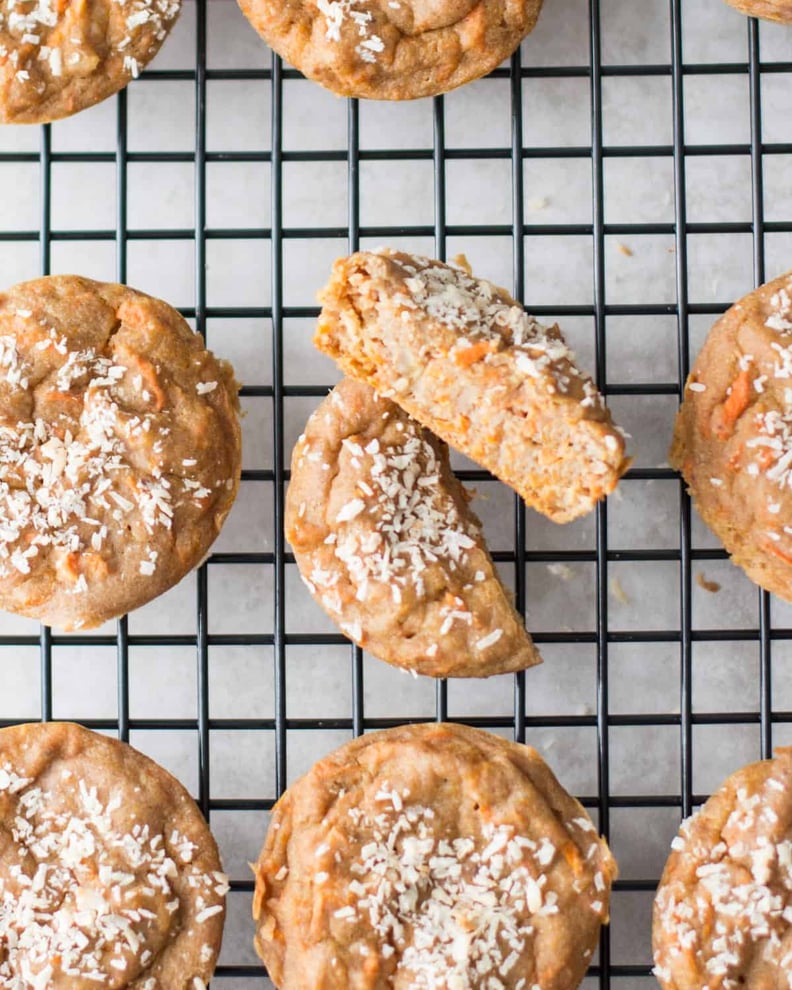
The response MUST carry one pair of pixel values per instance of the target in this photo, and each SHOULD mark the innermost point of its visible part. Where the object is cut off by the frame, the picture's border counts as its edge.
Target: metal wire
(602, 638)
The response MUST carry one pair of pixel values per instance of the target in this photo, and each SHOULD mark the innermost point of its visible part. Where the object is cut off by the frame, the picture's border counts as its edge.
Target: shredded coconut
(448, 907)
(40, 25)
(83, 896)
(415, 523)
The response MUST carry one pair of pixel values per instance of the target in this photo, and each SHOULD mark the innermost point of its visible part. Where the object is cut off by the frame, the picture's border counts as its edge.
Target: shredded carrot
(470, 355)
(140, 366)
(371, 966)
(776, 551)
(727, 414)
(572, 856)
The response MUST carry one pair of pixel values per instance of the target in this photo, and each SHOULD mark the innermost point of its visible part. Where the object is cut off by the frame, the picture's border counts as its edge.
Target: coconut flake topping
(35, 34)
(484, 317)
(730, 902)
(446, 909)
(84, 899)
(402, 522)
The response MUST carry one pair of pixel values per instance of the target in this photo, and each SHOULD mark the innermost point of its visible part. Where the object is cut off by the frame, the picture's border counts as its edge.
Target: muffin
(733, 434)
(119, 449)
(430, 856)
(771, 10)
(393, 49)
(723, 909)
(464, 359)
(60, 57)
(109, 875)
(387, 544)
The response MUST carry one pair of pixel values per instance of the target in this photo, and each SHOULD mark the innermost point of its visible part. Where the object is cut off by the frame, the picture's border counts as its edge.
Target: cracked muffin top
(387, 544)
(61, 56)
(109, 876)
(393, 49)
(733, 434)
(724, 905)
(119, 449)
(434, 857)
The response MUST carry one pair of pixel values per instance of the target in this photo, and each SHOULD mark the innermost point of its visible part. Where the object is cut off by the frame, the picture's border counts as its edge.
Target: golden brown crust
(733, 434)
(366, 878)
(61, 56)
(385, 540)
(393, 49)
(109, 875)
(462, 357)
(771, 10)
(119, 449)
(724, 905)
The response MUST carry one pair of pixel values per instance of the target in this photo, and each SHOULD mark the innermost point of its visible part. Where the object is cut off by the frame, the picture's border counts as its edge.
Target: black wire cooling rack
(276, 724)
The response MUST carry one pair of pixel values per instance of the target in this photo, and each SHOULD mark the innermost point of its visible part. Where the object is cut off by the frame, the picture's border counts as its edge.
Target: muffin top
(393, 49)
(386, 542)
(723, 909)
(733, 436)
(436, 857)
(119, 449)
(61, 56)
(108, 873)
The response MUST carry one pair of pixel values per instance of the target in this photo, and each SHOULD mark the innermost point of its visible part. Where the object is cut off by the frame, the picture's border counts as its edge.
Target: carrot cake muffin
(385, 540)
(393, 49)
(724, 906)
(119, 449)
(109, 876)
(733, 434)
(463, 358)
(431, 857)
(771, 10)
(61, 56)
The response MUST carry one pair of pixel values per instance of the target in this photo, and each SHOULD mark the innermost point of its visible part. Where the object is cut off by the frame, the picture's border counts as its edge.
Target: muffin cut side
(386, 542)
(464, 359)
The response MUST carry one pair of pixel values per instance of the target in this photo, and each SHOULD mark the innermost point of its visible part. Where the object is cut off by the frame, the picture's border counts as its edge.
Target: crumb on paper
(623, 249)
(618, 591)
(538, 203)
(563, 571)
(703, 582)
(460, 261)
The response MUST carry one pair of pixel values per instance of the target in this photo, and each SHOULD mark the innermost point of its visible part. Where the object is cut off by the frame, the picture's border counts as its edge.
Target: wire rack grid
(235, 680)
